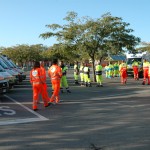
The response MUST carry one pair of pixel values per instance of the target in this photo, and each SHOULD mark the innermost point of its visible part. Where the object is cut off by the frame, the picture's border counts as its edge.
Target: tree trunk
(100, 59)
(93, 70)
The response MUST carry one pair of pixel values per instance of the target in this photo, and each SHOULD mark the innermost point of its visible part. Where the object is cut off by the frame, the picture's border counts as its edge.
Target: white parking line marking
(15, 121)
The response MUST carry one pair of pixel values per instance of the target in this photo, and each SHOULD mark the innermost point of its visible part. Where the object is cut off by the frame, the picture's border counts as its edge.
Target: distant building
(115, 58)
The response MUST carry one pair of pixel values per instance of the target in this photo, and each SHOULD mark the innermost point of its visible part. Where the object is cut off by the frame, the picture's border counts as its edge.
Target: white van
(8, 69)
(21, 75)
(7, 76)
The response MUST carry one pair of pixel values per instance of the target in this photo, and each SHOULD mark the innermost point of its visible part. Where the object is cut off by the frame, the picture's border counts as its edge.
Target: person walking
(116, 69)
(149, 75)
(123, 72)
(111, 70)
(81, 74)
(55, 74)
(98, 71)
(107, 70)
(76, 73)
(87, 79)
(45, 93)
(37, 85)
(145, 71)
(64, 82)
(135, 66)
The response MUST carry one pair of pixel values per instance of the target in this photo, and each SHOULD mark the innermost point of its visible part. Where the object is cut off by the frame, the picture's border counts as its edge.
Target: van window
(130, 60)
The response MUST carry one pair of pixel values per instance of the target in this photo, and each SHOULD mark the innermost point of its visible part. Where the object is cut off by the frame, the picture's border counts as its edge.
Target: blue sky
(22, 21)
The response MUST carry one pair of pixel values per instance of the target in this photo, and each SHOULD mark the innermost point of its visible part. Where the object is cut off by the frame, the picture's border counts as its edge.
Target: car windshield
(8, 63)
(3, 64)
(131, 60)
(1, 69)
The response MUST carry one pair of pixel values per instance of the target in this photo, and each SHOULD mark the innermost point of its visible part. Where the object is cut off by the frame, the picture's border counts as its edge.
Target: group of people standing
(57, 73)
(116, 69)
(111, 70)
(136, 66)
(84, 72)
(120, 70)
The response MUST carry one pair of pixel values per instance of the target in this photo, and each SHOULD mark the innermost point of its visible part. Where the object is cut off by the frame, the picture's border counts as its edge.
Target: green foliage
(91, 37)
(25, 53)
(145, 46)
(80, 39)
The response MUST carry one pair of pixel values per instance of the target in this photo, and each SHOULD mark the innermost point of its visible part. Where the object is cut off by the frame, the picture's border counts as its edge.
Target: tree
(145, 46)
(90, 36)
(22, 54)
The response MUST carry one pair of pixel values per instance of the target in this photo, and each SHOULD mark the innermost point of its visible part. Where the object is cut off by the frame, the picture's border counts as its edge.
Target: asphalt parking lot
(113, 117)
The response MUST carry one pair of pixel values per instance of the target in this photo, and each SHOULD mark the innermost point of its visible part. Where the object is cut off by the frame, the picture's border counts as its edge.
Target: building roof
(115, 58)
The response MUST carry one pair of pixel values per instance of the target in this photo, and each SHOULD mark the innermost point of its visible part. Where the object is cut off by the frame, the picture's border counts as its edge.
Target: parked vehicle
(21, 75)
(7, 76)
(3, 85)
(9, 70)
(134, 57)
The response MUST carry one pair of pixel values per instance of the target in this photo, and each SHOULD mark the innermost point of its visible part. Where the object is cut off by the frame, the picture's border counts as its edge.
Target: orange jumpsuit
(149, 75)
(55, 73)
(45, 93)
(135, 67)
(37, 86)
(123, 73)
(145, 72)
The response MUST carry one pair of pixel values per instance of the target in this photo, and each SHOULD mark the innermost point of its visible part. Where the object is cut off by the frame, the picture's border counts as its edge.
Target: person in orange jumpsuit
(123, 72)
(135, 66)
(45, 93)
(37, 85)
(145, 71)
(149, 75)
(55, 74)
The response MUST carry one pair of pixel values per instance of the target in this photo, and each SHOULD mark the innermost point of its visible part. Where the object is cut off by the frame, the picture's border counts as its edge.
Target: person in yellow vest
(145, 71)
(81, 74)
(98, 72)
(111, 70)
(116, 69)
(64, 82)
(106, 70)
(76, 72)
(123, 72)
(135, 66)
(87, 79)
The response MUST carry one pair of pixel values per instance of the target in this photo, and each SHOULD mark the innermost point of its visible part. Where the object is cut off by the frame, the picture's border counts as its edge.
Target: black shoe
(101, 85)
(90, 85)
(76, 83)
(143, 83)
(97, 85)
(48, 104)
(68, 91)
(35, 109)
